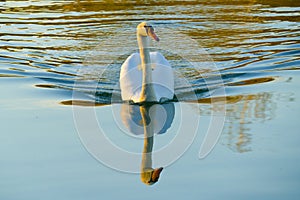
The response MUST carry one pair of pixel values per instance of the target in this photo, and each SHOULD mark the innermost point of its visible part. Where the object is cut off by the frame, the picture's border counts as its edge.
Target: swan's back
(131, 77)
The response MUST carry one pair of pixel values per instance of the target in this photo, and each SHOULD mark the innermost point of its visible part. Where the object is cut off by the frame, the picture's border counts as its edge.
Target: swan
(146, 76)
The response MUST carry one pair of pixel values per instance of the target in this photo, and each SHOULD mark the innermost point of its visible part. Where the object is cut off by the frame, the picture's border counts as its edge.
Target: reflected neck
(147, 93)
(148, 138)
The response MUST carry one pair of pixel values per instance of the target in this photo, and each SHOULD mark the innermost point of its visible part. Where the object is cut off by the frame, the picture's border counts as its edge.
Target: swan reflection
(149, 120)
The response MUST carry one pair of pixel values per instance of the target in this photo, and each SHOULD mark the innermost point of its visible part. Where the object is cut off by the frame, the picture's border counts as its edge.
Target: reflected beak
(150, 176)
(155, 174)
(152, 34)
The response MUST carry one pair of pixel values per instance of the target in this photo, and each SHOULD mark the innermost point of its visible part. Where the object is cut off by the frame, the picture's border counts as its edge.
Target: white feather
(131, 77)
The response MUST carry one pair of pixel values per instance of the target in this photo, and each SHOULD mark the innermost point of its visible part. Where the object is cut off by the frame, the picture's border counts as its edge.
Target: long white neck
(147, 93)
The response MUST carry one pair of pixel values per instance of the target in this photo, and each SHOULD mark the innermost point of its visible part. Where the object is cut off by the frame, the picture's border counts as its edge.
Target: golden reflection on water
(81, 103)
(252, 81)
(240, 115)
(241, 112)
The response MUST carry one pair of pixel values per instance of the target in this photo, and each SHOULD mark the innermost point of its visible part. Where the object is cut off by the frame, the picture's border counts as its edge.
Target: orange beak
(152, 34)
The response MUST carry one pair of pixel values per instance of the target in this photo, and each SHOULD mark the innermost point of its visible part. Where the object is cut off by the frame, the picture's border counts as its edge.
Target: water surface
(47, 46)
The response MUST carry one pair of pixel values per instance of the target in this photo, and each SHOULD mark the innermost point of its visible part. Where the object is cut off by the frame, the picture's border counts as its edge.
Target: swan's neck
(147, 93)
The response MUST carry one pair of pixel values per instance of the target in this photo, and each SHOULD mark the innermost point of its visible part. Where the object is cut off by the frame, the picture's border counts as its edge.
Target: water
(47, 46)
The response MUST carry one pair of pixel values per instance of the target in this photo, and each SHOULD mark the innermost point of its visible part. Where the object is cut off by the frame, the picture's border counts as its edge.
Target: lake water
(59, 72)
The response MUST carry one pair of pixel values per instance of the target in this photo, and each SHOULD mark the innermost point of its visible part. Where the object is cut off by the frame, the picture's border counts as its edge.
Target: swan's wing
(158, 59)
(162, 76)
(131, 78)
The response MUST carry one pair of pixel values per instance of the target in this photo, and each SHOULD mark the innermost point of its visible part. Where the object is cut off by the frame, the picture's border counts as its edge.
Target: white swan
(146, 76)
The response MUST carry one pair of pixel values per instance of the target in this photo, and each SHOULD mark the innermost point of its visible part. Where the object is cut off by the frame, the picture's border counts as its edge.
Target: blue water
(51, 49)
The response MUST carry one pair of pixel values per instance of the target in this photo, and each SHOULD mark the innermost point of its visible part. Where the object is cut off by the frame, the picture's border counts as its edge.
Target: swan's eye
(148, 28)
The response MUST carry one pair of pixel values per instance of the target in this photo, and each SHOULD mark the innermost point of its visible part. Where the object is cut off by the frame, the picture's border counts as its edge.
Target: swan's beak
(152, 34)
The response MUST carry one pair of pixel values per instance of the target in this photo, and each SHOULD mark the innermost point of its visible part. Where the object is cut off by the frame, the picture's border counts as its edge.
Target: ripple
(51, 41)
(252, 81)
(82, 103)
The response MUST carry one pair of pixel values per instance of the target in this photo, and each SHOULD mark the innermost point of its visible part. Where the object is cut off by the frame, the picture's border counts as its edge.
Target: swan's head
(150, 176)
(145, 29)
